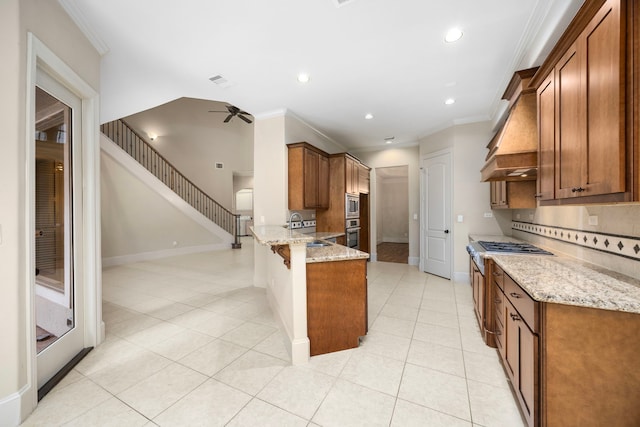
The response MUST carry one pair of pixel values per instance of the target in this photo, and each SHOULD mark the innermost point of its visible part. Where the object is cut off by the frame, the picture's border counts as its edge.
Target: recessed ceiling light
(152, 136)
(450, 101)
(453, 35)
(368, 116)
(303, 78)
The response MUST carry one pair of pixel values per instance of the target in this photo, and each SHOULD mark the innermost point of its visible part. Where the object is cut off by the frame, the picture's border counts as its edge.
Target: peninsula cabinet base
(590, 367)
(336, 305)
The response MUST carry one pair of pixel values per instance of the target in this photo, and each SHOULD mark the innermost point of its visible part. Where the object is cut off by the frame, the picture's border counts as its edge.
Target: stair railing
(131, 142)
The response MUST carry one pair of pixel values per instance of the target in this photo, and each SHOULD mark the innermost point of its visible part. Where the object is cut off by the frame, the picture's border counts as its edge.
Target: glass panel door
(59, 328)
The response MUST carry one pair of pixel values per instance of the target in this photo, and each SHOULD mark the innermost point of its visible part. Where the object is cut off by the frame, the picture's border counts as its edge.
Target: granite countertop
(320, 235)
(564, 280)
(278, 235)
(334, 252)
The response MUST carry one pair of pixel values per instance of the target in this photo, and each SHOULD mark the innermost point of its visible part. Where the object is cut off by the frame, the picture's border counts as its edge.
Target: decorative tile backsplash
(623, 246)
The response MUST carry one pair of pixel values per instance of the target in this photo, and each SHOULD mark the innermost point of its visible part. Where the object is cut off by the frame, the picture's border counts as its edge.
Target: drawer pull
(497, 300)
(514, 317)
(515, 295)
(495, 273)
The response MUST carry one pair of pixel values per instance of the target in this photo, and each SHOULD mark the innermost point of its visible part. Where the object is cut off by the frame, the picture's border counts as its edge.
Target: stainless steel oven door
(353, 237)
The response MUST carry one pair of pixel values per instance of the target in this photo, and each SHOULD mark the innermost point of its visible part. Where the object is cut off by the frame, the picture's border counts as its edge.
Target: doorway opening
(392, 214)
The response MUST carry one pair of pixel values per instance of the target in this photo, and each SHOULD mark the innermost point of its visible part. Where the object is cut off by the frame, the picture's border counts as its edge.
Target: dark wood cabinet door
(604, 152)
(511, 333)
(310, 179)
(528, 371)
(570, 124)
(323, 182)
(546, 139)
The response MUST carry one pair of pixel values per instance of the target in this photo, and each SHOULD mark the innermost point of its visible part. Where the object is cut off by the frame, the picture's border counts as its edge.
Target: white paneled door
(435, 230)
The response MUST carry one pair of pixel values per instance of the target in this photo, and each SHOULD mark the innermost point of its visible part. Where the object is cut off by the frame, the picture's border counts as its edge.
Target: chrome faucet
(291, 219)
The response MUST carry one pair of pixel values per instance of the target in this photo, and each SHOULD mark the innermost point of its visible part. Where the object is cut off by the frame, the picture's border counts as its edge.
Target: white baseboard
(414, 260)
(148, 256)
(10, 408)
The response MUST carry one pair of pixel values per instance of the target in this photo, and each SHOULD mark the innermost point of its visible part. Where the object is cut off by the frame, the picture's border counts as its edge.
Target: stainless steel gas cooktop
(513, 247)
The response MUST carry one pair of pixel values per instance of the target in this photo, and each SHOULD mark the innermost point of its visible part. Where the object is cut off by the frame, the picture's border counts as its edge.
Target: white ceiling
(384, 57)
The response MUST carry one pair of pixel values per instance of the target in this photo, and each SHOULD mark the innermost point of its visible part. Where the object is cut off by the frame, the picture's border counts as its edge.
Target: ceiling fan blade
(228, 118)
(244, 118)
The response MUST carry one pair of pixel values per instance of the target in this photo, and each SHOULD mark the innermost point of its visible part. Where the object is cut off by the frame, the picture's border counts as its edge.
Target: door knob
(446, 231)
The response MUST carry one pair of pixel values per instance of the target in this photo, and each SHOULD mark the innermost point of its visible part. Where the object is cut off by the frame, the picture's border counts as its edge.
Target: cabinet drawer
(498, 276)
(523, 303)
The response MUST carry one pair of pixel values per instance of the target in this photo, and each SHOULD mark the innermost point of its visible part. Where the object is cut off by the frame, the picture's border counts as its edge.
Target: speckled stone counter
(564, 280)
(277, 235)
(321, 235)
(334, 252)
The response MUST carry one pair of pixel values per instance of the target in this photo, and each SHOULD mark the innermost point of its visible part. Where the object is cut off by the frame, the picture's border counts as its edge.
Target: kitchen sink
(318, 244)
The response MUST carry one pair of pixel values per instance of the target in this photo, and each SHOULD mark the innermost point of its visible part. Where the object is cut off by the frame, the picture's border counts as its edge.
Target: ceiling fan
(233, 112)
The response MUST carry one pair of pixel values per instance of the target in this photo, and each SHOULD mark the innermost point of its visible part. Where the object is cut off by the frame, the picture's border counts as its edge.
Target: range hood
(513, 151)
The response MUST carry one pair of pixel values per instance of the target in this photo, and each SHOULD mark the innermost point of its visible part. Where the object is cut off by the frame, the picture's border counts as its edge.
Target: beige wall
(137, 220)
(193, 140)
(470, 195)
(52, 26)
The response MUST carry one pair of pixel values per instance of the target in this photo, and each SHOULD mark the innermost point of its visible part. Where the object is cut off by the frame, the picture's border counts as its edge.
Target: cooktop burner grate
(514, 248)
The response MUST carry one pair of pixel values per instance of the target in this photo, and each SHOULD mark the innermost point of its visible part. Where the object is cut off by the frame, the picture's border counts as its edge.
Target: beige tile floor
(191, 342)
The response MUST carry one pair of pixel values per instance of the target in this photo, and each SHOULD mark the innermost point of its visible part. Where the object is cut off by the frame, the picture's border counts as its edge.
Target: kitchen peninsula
(317, 291)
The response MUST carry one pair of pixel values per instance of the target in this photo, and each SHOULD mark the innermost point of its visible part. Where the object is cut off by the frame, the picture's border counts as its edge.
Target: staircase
(134, 145)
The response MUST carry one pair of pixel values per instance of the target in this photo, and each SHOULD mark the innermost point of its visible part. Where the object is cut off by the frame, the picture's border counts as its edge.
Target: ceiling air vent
(340, 3)
(219, 165)
(221, 81)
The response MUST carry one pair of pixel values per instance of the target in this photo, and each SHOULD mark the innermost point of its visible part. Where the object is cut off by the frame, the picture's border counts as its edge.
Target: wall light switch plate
(488, 215)
(531, 217)
(415, 216)
(593, 219)
(517, 216)
(460, 218)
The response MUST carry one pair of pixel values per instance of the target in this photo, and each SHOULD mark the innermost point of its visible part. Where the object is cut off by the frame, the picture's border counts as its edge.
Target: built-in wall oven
(352, 206)
(352, 232)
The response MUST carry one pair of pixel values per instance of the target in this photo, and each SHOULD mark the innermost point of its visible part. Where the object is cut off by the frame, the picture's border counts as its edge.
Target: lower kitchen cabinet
(521, 361)
(568, 365)
(483, 299)
(336, 305)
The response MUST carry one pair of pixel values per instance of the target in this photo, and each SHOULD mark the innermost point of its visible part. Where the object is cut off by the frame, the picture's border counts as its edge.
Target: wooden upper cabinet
(308, 177)
(603, 50)
(363, 179)
(352, 176)
(546, 139)
(581, 113)
(570, 125)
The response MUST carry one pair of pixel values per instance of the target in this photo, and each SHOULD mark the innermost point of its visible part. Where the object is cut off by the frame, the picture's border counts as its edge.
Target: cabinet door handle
(577, 190)
(514, 317)
(495, 273)
(515, 295)
(497, 300)
(537, 196)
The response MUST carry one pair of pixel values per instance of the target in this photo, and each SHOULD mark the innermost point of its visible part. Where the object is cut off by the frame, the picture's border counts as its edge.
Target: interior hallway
(190, 342)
